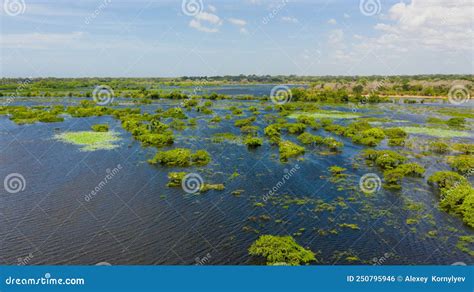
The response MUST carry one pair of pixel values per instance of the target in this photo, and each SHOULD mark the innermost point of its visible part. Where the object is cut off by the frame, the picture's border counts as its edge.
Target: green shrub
(307, 138)
(289, 149)
(446, 179)
(181, 157)
(464, 164)
(244, 122)
(100, 128)
(295, 128)
(385, 159)
(253, 142)
(336, 170)
(439, 147)
(157, 140)
(456, 194)
(175, 179)
(464, 148)
(393, 177)
(281, 250)
(332, 143)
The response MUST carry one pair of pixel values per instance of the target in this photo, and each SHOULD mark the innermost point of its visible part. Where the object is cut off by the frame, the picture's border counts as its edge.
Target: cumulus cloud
(238, 22)
(332, 21)
(206, 22)
(435, 24)
(289, 19)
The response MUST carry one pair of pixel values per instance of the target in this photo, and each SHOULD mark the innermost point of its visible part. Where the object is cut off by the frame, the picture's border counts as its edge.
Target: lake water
(136, 219)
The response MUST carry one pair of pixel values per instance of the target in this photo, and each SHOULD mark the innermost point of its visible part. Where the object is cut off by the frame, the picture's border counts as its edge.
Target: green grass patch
(325, 114)
(435, 132)
(90, 140)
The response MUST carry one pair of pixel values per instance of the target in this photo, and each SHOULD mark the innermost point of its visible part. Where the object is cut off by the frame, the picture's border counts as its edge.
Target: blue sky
(169, 38)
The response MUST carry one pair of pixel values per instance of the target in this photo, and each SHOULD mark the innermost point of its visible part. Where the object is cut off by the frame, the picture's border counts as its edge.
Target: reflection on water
(133, 218)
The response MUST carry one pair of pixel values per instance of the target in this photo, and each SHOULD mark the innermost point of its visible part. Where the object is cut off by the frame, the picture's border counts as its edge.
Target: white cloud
(346, 15)
(332, 21)
(40, 40)
(435, 24)
(212, 20)
(243, 30)
(289, 19)
(336, 37)
(238, 22)
(212, 8)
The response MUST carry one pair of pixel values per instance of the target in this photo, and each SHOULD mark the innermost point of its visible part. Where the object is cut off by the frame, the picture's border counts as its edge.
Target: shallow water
(136, 219)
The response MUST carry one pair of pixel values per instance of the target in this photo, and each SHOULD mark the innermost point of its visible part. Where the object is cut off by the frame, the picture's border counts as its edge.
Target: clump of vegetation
(221, 137)
(175, 179)
(253, 142)
(464, 148)
(289, 149)
(100, 128)
(249, 129)
(175, 113)
(281, 250)
(181, 157)
(361, 132)
(464, 164)
(438, 147)
(89, 140)
(385, 159)
(336, 170)
(307, 138)
(332, 143)
(396, 136)
(456, 194)
(207, 187)
(273, 132)
(393, 177)
(244, 122)
(24, 115)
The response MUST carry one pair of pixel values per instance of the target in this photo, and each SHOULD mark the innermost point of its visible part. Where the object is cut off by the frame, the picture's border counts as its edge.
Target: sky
(151, 38)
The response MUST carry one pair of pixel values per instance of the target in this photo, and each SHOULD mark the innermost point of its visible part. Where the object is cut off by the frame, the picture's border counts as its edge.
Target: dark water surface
(137, 219)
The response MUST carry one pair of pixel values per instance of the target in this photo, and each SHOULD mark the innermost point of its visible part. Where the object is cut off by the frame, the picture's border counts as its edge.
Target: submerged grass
(90, 140)
(326, 114)
(435, 132)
